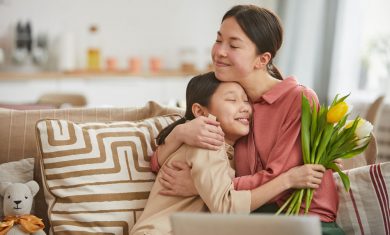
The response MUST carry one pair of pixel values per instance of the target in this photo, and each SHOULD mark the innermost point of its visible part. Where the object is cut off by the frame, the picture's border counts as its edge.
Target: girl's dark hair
(199, 90)
(263, 28)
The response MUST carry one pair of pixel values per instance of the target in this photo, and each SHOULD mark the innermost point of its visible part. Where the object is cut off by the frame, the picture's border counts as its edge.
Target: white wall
(360, 24)
(128, 28)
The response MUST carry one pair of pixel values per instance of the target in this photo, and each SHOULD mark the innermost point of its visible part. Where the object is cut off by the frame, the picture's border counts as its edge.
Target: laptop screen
(243, 224)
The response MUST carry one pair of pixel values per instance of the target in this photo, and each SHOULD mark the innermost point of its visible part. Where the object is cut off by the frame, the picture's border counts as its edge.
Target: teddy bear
(17, 203)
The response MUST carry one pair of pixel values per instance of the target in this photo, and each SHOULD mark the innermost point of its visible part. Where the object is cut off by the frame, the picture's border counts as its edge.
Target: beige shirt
(212, 174)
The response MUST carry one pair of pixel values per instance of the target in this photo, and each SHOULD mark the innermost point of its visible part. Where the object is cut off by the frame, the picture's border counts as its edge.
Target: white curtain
(309, 40)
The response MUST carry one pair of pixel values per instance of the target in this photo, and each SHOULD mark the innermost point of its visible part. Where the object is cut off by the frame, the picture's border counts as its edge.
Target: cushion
(18, 139)
(97, 176)
(365, 208)
(16, 172)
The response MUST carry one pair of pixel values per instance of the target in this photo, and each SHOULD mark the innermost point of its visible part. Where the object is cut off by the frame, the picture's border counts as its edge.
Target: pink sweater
(273, 146)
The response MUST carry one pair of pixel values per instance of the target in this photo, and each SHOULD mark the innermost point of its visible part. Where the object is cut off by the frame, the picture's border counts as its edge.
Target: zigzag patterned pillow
(96, 176)
(365, 208)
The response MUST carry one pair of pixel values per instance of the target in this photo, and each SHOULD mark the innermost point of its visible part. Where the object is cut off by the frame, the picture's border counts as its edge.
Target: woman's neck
(258, 84)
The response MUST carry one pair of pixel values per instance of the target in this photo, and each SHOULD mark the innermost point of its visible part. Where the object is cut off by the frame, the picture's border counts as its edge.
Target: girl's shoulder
(192, 153)
(196, 150)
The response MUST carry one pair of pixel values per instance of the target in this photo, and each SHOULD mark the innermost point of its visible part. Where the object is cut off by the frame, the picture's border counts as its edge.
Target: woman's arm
(286, 151)
(212, 177)
(201, 132)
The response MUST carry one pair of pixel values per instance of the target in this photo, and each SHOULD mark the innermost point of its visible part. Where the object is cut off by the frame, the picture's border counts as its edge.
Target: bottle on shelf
(93, 51)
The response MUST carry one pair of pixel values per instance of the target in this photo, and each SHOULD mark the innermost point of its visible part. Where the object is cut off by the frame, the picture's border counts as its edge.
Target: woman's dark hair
(199, 90)
(263, 28)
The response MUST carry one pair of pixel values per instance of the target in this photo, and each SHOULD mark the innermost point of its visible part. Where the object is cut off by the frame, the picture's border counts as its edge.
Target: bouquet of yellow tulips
(326, 135)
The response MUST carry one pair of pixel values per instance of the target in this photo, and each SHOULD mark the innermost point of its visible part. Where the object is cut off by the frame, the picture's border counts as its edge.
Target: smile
(221, 64)
(244, 121)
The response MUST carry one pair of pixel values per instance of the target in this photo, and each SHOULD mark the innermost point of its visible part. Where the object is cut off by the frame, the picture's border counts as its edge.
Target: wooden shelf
(93, 75)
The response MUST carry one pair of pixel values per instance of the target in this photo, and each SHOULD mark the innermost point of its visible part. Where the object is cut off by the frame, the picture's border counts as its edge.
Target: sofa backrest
(17, 127)
(18, 135)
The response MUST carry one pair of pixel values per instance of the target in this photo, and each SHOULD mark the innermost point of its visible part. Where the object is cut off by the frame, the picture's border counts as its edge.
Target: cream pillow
(365, 208)
(97, 176)
(20, 171)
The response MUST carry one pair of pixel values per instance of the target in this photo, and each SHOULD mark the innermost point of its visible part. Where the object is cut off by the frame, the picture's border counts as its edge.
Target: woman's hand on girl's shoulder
(202, 132)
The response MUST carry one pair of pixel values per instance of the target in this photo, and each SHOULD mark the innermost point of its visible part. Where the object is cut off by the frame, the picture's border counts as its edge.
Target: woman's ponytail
(274, 71)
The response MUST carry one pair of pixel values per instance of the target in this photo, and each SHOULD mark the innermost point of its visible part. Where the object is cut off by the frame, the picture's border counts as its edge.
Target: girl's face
(230, 105)
(234, 54)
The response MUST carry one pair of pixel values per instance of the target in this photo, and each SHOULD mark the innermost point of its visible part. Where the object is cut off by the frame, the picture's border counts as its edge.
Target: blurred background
(57, 54)
(109, 50)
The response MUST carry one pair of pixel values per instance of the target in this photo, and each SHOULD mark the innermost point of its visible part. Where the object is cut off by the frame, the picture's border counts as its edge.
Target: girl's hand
(177, 181)
(202, 132)
(306, 176)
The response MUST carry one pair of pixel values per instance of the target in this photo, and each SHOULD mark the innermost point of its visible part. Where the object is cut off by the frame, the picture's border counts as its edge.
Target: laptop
(243, 224)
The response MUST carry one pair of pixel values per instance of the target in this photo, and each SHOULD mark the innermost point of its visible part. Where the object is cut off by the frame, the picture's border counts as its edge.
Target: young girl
(247, 42)
(211, 170)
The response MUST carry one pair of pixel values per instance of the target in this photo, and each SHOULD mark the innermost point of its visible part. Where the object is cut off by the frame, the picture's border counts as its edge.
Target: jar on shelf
(188, 60)
(94, 50)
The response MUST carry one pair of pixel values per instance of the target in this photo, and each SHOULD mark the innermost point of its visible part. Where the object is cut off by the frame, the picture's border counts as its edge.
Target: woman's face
(234, 54)
(230, 105)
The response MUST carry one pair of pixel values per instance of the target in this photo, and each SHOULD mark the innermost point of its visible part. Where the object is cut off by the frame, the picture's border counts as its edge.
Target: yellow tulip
(337, 112)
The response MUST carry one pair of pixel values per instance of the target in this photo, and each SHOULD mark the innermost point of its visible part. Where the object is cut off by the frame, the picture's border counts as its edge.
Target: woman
(246, 44)
(211, 171)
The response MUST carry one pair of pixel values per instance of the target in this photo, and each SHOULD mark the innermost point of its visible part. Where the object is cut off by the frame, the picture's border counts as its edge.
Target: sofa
(92, 165)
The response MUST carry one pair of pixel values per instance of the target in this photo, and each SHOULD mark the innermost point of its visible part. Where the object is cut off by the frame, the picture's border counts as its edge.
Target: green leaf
(348, 145)
(336, 130)
(334, 100)
(313, 127)
(305, 129)
(341, 99)
(314, 148)
(324, 142)
(351, 153)
(343, 176)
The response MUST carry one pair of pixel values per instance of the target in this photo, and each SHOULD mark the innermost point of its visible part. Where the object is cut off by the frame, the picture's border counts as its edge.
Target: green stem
(293, 203)
(285, 204)
(298, 208)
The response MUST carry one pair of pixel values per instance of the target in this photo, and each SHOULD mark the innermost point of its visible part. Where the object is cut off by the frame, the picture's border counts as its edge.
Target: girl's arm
(201, 132)
(212, 177)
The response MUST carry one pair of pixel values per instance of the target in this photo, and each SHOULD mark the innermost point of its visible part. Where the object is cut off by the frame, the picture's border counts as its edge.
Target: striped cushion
(365, 208)
(96, 175)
